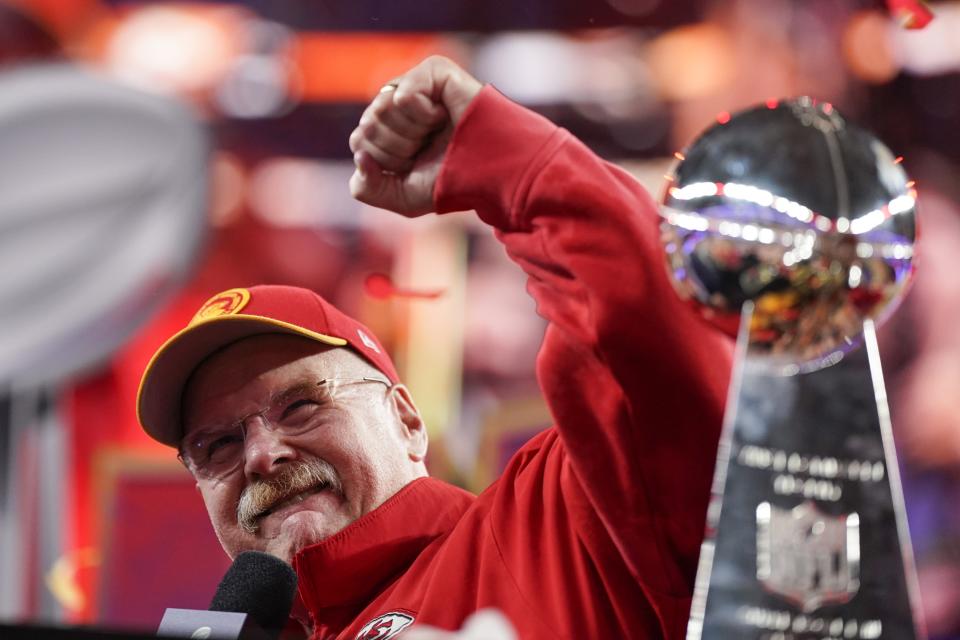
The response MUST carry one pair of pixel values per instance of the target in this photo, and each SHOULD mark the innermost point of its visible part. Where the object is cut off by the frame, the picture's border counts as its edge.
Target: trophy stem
(705, 564)
(893, 471)
(806, 535)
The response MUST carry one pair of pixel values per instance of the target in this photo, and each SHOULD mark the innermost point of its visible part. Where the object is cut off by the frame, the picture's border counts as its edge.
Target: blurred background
(100, 525)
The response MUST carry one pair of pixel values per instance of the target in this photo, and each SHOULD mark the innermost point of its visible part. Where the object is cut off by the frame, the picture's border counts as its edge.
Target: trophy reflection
(794, 230)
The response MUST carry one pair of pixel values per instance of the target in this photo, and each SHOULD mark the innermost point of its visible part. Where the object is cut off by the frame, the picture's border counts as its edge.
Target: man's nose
(264, 449)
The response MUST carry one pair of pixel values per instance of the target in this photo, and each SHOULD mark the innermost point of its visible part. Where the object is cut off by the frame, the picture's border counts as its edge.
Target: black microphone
(260, 585)
(252, 602)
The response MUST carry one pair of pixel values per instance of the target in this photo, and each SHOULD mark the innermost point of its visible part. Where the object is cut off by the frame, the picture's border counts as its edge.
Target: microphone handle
(213, 625)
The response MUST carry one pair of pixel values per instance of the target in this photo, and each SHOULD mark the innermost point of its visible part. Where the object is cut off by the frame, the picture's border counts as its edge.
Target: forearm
(586, 234)
(635, 380)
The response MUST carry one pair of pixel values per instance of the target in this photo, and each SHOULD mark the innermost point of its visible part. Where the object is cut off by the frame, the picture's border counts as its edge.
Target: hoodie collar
(341, 575)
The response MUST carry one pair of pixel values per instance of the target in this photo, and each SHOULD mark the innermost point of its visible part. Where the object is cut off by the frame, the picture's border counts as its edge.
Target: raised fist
(399, 144)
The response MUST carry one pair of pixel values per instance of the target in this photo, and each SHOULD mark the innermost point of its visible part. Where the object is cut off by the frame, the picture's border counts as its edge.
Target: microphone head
(260, 585)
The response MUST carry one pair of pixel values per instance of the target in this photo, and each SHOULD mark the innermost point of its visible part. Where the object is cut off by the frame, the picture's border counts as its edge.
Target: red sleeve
(635, 380)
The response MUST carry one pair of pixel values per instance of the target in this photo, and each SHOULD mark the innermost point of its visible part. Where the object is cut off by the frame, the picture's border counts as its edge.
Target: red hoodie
(594, 528)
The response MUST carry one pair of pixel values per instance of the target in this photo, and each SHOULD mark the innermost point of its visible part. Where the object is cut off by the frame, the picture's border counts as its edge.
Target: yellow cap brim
(161, 387)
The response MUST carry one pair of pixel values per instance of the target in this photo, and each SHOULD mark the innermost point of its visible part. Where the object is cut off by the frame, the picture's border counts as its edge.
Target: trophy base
(807, 535)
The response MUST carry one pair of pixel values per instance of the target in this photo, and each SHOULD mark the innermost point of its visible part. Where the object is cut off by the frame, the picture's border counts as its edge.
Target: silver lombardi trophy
(794, 230)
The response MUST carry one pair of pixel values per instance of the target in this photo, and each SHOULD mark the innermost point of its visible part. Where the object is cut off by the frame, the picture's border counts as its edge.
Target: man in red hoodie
(305, 444)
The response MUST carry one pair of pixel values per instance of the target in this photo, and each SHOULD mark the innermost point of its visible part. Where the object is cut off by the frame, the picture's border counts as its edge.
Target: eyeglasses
(215, 451)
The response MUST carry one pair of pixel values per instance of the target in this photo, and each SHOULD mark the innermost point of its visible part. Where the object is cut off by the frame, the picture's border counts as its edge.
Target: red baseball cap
(233, 315)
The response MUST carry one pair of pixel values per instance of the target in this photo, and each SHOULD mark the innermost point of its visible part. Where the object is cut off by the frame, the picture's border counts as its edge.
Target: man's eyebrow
(293, 391)
(281, 397)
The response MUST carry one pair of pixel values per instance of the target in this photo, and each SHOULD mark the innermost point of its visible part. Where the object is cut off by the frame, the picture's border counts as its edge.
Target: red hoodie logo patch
(386, 626)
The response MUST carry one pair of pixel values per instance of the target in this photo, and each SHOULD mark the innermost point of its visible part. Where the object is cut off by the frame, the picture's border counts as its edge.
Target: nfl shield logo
(807, 557)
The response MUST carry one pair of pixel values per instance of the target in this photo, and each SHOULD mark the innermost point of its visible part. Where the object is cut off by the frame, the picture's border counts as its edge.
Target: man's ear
(414, 430)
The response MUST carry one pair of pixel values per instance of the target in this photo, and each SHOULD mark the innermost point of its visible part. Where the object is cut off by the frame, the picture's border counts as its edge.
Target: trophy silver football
(792, 208)
(794, 230)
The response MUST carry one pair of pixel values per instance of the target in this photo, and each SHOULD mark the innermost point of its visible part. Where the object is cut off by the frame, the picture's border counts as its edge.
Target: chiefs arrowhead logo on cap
(368, 341)
(225, 303)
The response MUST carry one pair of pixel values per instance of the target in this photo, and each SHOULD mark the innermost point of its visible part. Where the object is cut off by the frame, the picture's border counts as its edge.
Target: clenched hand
(399, 144)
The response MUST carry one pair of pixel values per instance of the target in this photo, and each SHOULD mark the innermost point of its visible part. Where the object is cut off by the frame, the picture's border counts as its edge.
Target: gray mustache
(260, 496)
